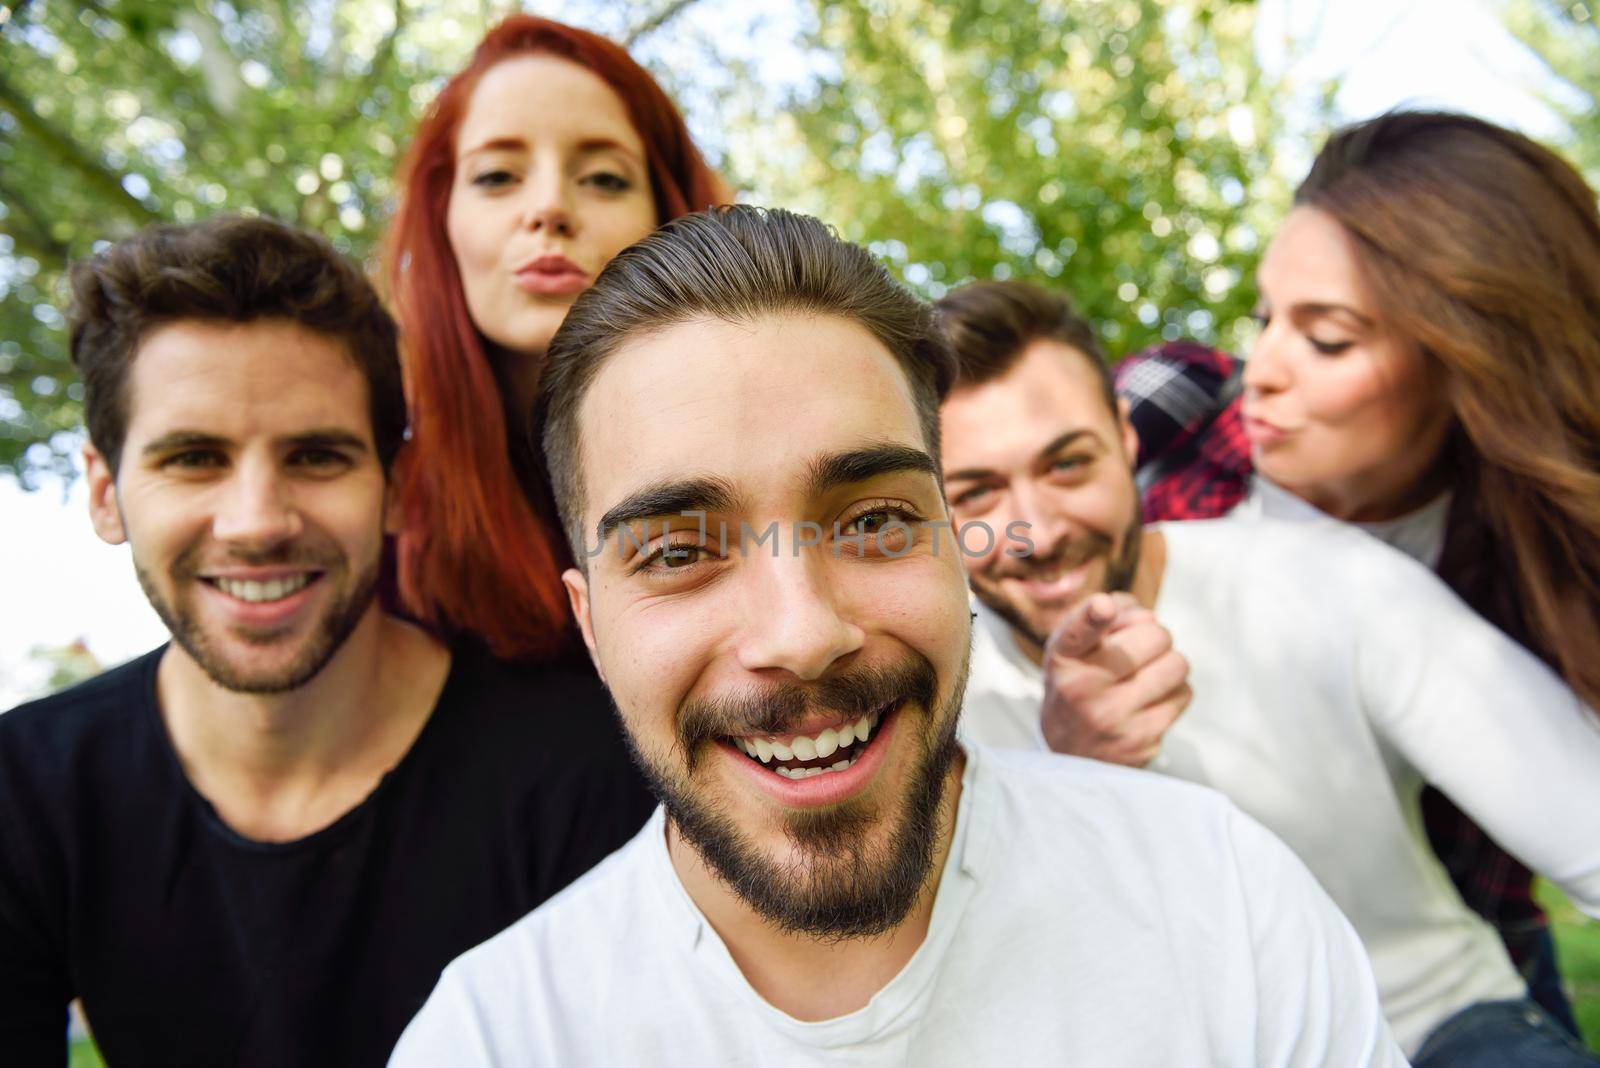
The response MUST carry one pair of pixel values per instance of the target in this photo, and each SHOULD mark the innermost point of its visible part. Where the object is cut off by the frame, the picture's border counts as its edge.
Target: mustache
(778, 709)
(1068, 552)
(195, 560)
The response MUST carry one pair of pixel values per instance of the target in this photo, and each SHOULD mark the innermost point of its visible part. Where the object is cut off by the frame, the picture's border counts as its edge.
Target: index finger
(1082, 629)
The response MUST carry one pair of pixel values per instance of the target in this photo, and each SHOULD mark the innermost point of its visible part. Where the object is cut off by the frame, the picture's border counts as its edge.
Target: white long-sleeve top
(1332, 677)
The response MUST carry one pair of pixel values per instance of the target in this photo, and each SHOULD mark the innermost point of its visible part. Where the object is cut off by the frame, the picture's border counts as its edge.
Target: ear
(577, 584)
(105, 513)
(1130, 436)
(393, 514)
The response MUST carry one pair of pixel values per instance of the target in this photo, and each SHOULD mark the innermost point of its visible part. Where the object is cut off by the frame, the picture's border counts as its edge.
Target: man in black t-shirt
(260, 844)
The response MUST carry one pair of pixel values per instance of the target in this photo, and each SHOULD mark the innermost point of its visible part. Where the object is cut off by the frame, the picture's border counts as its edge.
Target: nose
(257, 510)
(1046, 526)
(791, 620)
(1266, 370)
(547, 205)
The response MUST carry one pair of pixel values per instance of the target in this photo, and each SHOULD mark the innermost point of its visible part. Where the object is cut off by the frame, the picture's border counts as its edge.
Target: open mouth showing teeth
(800, 756)
(261, 592)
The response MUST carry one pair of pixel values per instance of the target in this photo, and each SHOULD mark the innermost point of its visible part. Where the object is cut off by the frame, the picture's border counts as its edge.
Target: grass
(1577, 947)
(1578, 951)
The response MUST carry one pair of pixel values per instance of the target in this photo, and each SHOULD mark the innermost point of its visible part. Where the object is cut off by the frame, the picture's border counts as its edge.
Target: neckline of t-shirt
(316, 839)
(958, 883)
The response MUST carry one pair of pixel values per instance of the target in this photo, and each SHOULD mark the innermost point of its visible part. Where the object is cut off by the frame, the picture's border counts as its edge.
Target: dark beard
(856, 892)
(1121, 569)
(331, 631)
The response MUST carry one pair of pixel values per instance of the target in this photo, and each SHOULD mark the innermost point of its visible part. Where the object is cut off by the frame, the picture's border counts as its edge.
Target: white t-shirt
(1087, 916)
(1420, 534)
(1332, 676)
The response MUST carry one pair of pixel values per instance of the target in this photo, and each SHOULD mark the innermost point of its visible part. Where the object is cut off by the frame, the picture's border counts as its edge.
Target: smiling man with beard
(1332, 676)
(741, 425)
(260, 844)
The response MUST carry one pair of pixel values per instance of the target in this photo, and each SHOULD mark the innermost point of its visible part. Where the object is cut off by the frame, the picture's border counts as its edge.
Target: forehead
(239, 379)
(544, 97)
(752, 403)
(1052, 389)
(1311, 255)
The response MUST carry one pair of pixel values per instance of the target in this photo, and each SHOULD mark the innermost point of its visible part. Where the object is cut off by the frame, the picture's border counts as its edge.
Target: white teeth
(804, 748)
(256, 592)
(864, 727)
(846, 734)
(781, 751)
(827, 743)
(763, 750)
(841, 765)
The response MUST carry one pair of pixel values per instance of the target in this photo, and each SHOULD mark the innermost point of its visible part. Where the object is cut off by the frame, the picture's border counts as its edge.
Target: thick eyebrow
(183, 439)
(1055, 446)
(329, 438)
(662, 499)
(858, 465)
(320, 438)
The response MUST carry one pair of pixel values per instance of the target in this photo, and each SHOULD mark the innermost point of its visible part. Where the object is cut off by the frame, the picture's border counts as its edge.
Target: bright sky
(62, 583)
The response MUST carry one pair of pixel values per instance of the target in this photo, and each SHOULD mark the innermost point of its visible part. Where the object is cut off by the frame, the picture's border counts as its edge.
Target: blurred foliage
(119, 113)
(1565, 34)
(1118, 150)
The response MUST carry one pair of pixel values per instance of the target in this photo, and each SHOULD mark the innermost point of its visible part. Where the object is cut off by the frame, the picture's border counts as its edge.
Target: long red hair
(475, 553)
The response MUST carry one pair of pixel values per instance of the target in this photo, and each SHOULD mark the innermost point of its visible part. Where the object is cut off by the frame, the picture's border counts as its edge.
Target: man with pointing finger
(1331, 675)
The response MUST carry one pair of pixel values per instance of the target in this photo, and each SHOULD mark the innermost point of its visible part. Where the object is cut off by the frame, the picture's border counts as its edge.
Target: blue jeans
(1500, 1034)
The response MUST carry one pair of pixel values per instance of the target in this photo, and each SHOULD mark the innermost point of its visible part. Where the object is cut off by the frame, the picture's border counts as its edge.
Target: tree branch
(70, 152)
(656, 21)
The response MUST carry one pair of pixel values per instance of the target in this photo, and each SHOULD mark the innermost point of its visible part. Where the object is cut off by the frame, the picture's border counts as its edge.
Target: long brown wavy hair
(1482, 249)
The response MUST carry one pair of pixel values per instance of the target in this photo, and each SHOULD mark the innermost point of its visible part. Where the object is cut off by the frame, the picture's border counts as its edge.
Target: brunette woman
(547, 155)
(1428, 368)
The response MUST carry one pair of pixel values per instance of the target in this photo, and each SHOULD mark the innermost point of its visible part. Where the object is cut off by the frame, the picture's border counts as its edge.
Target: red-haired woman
(547, 155)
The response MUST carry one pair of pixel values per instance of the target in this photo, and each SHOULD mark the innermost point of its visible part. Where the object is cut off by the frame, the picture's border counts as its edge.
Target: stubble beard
(1122, 567)
(328, 635)
(841, 886)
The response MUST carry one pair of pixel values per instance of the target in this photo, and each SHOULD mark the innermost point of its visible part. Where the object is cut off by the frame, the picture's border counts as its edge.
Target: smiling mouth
(254, 592)
(801, 756)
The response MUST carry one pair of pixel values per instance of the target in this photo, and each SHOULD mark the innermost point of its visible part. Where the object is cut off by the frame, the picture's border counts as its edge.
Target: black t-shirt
(191, 945)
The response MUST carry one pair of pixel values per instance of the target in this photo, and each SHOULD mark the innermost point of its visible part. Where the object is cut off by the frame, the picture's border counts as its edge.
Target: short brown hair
(734, 263)
(231, 267)
(987, 325)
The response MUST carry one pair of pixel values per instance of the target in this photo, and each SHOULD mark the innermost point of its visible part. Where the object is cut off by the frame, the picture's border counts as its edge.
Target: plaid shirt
(1194, 463)
(1194, 460)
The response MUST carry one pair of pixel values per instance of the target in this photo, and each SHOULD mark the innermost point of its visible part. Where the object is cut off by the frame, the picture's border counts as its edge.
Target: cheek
(621, 225)
(472, 239)
(653, 655)
(920, 602)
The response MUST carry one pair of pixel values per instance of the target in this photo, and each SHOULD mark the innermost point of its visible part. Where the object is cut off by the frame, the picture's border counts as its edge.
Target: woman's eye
(609, 181)
(493, 179)
(1329, 348)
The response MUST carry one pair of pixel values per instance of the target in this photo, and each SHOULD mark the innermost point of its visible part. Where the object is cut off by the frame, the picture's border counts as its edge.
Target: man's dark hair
(988, 325)
(234, 268)
(737, 264)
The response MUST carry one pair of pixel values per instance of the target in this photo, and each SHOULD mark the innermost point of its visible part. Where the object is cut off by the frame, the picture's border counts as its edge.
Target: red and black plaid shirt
(1194, 462)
